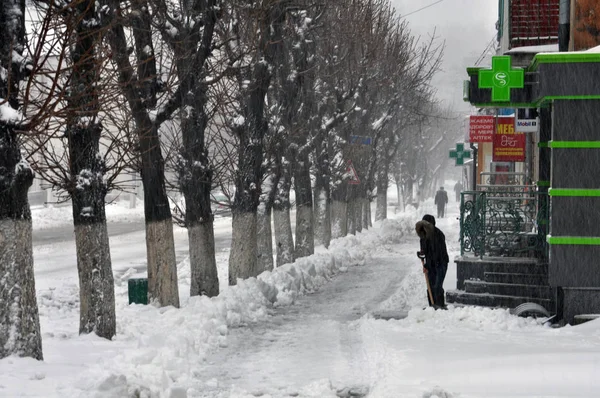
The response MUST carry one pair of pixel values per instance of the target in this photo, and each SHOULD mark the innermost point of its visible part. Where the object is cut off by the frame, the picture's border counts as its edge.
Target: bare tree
(19, 319)
(141, 85)
(87, 187)
(192, 47)
(295, 61)
(259, 23)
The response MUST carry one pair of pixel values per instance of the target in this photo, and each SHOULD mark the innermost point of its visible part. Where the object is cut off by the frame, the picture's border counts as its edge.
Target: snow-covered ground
(54, 216)
(304, 330)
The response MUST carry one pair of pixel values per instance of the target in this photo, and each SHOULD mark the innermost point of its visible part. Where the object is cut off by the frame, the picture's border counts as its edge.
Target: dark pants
(436, 277)
(440, 208)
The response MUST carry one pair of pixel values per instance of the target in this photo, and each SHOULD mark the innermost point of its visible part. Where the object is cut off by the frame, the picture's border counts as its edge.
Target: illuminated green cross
(460, 154)
(501, 78)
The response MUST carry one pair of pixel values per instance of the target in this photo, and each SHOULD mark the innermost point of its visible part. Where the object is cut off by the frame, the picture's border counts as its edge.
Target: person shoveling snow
(434, 259)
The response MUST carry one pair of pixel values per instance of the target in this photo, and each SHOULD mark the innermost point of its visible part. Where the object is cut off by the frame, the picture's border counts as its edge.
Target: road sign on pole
(351, 171)
(460, 154)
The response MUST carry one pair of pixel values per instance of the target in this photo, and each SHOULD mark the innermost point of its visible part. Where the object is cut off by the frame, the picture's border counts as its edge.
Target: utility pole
(474, 148)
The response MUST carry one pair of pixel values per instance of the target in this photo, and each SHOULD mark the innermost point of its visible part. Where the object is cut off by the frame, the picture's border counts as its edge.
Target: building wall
(524, 23)
(585, 24)
(533, 22)
(575, 265)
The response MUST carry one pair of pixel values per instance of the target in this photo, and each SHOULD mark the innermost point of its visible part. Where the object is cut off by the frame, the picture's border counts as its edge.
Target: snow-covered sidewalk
(307, 330)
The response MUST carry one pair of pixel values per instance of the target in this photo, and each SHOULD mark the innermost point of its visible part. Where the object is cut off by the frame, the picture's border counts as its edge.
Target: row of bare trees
(255, 97)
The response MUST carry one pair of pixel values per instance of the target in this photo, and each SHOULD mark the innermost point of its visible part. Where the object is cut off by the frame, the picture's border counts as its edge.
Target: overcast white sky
(467, 26)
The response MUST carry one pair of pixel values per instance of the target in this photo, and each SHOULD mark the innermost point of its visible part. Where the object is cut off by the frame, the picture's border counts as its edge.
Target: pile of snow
(468, 318)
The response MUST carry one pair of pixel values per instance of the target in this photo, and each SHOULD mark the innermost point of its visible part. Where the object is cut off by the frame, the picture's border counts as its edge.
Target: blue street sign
(360, 140)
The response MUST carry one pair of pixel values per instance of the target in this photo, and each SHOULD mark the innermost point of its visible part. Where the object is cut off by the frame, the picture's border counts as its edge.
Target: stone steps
(510, 289)
(502, 282)
(495, 300)
(469, 268)
(583, 318)
(517, 268)
(517, 278)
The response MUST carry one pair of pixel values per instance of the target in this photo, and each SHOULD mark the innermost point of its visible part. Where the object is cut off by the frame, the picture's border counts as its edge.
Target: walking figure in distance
(434, 252)
(458, 187)
(441, 198)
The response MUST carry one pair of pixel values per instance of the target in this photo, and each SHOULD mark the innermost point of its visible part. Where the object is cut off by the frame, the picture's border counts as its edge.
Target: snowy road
(54, 248)
(316, 338)
(64, 233)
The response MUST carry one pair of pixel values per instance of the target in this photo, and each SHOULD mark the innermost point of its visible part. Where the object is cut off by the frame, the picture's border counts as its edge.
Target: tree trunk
(162, 266)
(366, 213)
(265, 210)
(87, 188)
(284, 240)
(265, 239)
(96, 283)
(305, 239)
(322, 194)
(358, 213)
(382, 186)
(195, 174)
(322, 217)
(204, 278)
(243, 256)
(351, 218)
(401, 203)
(381, 211)
(242, 260)
(19, 318)
(195, 180)
(408, 192)
(283, 236)
(160, 245)
(340, 210)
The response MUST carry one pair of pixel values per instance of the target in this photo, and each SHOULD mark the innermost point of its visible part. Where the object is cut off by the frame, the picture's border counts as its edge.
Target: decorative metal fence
(504, 223)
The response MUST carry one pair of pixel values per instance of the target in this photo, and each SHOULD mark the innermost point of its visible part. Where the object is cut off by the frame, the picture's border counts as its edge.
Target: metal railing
(511, 223)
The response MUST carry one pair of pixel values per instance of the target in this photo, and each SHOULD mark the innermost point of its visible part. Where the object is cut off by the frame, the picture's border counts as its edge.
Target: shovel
(427, 281)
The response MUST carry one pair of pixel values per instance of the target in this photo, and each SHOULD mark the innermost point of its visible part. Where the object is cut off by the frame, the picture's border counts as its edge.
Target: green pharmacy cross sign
(501, 78)
(460, 154)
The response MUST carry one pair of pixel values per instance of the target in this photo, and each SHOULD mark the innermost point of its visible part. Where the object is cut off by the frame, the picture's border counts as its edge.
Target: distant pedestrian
(441, 198)
(435, 255)
(458, 187)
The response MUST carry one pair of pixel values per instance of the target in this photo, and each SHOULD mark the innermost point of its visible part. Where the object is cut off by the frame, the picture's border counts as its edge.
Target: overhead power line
(422, 8)
(485, 51)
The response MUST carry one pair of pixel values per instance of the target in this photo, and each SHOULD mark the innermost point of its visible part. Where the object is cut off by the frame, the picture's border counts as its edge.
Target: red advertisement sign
(481, 129)
(509, 146)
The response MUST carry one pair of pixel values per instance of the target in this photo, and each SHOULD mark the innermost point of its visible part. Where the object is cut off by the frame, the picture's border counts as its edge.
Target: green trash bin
(138, 290)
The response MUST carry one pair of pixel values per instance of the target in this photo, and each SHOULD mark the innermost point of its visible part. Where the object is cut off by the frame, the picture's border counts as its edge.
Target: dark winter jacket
(433, 245)
(441, 197)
